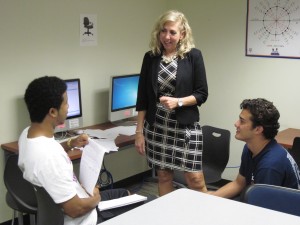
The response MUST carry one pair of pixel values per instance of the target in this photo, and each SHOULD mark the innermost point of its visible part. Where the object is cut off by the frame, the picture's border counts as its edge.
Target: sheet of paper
(115, 203)
(90, 165)
(97, 133)
(112, 133)
(125, 130)
(109, 145)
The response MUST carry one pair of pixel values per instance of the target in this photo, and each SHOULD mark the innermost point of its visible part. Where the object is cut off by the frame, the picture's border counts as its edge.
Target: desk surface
(185, 206)
(286, 137)
(121, 141)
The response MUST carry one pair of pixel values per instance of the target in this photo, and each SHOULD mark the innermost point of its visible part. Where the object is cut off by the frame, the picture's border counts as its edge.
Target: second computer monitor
(122, 97)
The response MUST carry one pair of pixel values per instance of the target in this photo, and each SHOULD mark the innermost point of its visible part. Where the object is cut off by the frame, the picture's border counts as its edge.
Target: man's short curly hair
(42, 94)
(263, 113)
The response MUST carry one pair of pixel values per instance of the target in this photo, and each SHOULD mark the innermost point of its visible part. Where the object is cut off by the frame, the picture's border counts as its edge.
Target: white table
(187, 207)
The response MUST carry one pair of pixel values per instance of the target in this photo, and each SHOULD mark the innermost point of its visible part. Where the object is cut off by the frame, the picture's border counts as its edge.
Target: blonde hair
(185, 44)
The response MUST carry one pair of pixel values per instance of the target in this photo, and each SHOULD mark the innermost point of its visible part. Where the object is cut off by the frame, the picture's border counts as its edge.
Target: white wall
(42, 37)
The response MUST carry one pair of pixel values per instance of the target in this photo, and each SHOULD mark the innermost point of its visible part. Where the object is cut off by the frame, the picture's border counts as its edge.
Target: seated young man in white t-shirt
(44, 161)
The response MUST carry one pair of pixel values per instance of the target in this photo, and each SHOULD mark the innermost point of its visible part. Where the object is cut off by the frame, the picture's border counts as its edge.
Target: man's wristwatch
(180, 102)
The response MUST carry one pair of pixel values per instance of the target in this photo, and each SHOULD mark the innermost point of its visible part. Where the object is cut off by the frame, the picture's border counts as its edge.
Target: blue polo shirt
(273, 165)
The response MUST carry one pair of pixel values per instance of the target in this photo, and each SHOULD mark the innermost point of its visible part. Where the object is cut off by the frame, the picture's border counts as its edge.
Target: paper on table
(118, 202)
(109, 145)
(127, 130)
(112, 132)
(101, 134)
(90, 165)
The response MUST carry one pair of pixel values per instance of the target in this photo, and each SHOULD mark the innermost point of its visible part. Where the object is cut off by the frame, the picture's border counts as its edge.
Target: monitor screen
(74, 116)
(123, 94)
(74, 98)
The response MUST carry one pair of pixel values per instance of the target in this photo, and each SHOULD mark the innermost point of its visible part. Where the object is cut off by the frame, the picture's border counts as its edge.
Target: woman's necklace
(168, 59)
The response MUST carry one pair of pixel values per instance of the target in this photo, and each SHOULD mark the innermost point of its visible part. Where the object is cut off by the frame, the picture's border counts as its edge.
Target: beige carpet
(146, 187)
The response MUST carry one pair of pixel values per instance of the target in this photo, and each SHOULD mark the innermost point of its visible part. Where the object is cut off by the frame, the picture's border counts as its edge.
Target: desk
(126, 158)
(185, 206)
(286, 137)
(121, 141)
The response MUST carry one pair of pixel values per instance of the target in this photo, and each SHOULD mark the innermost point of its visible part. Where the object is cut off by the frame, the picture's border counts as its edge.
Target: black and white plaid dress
(170, 145)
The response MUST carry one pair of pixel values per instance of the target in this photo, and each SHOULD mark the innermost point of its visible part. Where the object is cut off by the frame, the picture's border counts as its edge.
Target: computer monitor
(122, 97)
(74, 116)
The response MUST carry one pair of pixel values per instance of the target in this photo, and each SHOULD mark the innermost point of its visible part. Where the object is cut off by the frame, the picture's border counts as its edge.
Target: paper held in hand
(119, 202)
(90, 165)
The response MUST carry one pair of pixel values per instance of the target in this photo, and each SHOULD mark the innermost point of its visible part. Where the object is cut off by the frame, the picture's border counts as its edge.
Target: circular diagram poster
(273, 28)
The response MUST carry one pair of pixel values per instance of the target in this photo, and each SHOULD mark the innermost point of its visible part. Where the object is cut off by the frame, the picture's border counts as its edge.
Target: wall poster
(273, 28)
(88, 30)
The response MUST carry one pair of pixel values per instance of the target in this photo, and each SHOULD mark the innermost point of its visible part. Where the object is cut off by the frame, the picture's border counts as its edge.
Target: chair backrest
(278, 198)
(295, 150)
(216, 146)
(86, 21)
(20, 190)
(49, 212)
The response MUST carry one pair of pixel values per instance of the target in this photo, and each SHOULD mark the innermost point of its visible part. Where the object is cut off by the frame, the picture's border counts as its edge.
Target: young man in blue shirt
(263, 160)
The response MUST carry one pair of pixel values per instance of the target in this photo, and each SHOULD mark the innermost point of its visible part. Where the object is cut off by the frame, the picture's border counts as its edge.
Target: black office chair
(49, 212)
(216, 146)
(277, 198)
(13, 205)
(88, 25)
(295, 150)
(20, 196)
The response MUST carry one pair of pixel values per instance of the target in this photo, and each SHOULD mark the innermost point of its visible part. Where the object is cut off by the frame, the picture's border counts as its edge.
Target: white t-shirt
(45, 163)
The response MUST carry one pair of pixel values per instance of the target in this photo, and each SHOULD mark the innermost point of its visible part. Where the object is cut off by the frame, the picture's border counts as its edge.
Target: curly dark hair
(42, 94)
(264, 114)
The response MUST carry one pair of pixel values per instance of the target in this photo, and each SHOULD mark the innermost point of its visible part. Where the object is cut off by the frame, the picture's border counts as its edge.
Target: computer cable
(105, 178)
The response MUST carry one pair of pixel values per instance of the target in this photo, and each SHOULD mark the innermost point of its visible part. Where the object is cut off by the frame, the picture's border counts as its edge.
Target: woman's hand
(169, 102)
(140, 143)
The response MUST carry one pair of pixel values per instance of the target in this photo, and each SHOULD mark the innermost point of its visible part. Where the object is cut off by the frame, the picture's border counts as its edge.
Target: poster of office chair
(273, 28)
(88, 30)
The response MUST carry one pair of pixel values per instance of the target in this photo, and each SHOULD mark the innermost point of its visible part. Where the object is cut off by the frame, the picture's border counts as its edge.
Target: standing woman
(172, 85)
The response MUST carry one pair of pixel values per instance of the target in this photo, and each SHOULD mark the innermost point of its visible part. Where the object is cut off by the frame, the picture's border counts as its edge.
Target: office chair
(277, 198)
(12, 204)
(295, 150)
(20, 194)
(88, 25)
(215, 156)
(49, 212)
